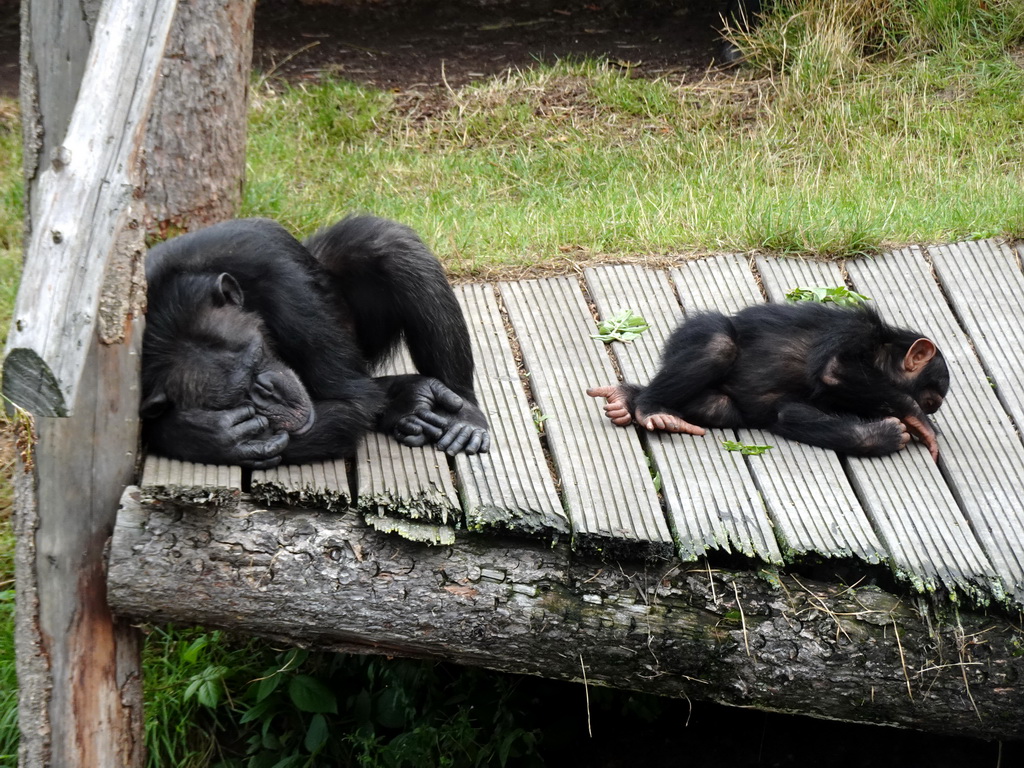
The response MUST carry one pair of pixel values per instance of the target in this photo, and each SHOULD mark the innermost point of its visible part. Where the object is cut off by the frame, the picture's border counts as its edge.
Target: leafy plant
(838, 294)
(625, 326)
(328, 709)
(655, 474)
(538, 419)
(189, 675)
(745, 448)
(215, 700)
(8, 679)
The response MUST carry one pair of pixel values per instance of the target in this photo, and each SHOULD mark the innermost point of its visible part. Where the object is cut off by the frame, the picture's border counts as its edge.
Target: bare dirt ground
(417, 44)
(402, 44)
(9, 48)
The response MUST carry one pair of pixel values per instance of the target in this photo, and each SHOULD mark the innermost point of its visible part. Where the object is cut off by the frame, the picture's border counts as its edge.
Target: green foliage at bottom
(8, 678)
(8, 681)
(211, 700)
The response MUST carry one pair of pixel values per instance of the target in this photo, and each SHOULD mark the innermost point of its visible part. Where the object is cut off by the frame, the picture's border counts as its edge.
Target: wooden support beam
(156, 136)
(81, 211)
(72, 370)
(778, 642)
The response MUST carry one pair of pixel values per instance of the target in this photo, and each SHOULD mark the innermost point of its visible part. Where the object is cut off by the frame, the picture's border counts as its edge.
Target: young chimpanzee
(834, 377)
(259, 349)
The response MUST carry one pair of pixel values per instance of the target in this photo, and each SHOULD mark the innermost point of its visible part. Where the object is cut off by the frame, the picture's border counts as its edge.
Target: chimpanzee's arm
(854, 383)
(421, 409)
(237, 436)
(868, 392)
(840, 432)
(336, 432)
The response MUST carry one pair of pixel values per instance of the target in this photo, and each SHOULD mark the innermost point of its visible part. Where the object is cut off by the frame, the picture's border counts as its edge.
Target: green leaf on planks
(746, 449)
(625, 326)
(837, 294)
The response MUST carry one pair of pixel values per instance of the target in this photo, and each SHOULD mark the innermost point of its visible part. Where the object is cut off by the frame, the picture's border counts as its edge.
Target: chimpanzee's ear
(154, 405)
(228, 291)
(919, 355)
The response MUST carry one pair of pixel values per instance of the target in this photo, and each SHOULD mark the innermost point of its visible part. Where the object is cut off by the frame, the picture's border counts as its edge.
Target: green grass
(8, 679)
(833, 152)
(857, 125)
(10, 269)
(10, 210)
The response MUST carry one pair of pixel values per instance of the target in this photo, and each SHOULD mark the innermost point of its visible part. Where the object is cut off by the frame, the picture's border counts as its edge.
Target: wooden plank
(806, 493)
(604, 474)
(54, 50)
(904, 495)
(984, 284)
(166, 479)
(510, 487)
(809, 494)
(981, 455)
(394, 480)
(320, 485)
(711, 499)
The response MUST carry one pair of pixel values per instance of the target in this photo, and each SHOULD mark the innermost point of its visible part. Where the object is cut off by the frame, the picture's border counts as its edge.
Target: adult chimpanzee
(258, 348)
(834, 377)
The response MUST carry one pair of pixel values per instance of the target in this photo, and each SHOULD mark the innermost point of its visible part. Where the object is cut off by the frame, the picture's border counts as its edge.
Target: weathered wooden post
(71, 369)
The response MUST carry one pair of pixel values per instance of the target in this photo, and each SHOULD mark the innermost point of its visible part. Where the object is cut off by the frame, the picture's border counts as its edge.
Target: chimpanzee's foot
(618, 406)
(667, 422)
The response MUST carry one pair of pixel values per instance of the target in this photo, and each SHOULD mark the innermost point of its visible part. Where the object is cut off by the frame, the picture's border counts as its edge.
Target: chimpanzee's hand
(423, 410)
(236, 436)
(467, 433)
(923, 431)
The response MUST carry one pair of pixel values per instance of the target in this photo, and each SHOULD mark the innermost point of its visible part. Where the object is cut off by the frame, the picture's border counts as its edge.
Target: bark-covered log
(777, 642)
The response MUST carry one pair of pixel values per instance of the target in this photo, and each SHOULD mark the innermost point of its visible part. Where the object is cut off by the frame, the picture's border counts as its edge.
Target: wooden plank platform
(510, 487)
(804, 489)
(558, 467)
(322, 485)
(711, 499)
(605, 477)
(166, 479)
(982, 456)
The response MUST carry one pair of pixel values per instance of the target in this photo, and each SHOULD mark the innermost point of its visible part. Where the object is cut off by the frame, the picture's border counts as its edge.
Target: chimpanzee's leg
(393, 286)
(713, 409)
(685, 393)
(840, 432)
(698, 356)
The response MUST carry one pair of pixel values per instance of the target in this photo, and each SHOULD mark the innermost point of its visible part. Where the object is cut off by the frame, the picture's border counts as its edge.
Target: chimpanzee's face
(223, 360)
(926, 374)
(932, 384)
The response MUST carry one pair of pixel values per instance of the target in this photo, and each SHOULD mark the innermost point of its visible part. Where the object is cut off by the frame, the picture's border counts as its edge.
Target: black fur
(824, 375)
(259, 348)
